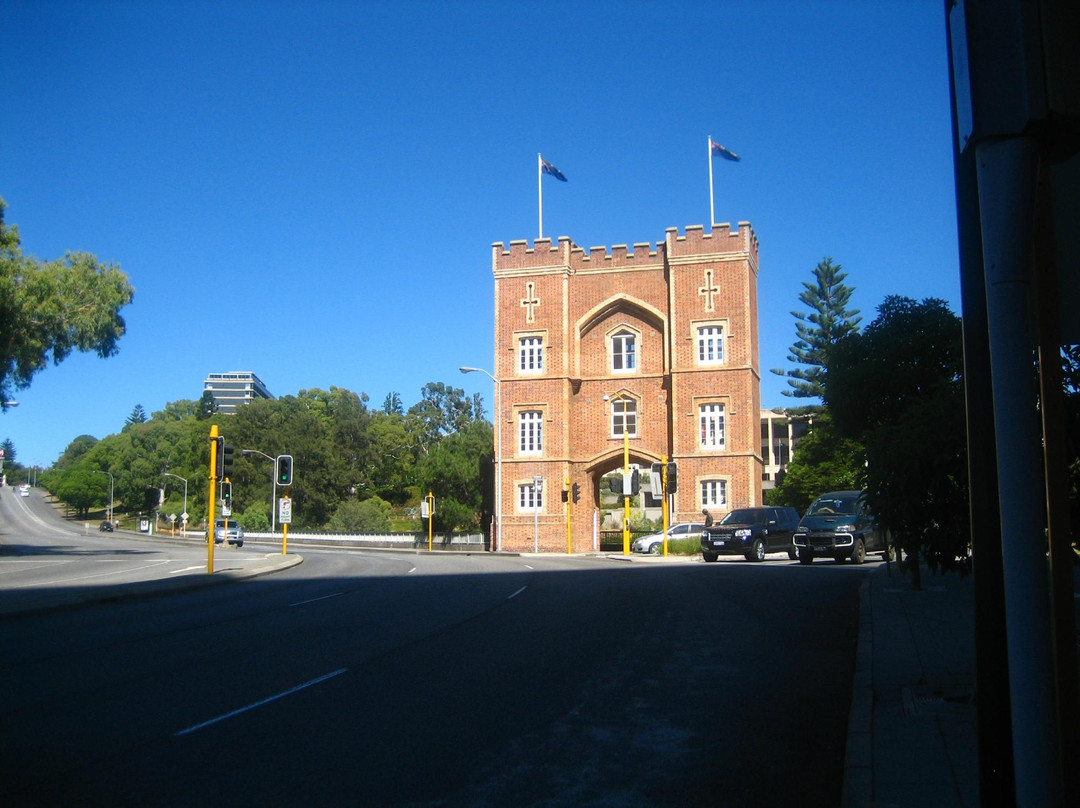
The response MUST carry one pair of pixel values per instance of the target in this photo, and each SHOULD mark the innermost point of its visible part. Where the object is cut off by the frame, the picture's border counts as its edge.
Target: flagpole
(540, 190)
(712, 211)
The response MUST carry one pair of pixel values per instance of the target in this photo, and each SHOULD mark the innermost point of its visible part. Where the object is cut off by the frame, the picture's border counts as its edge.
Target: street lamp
(273, 483)
(498, 453)
(626, 472)
(109, 475)
(184, 515)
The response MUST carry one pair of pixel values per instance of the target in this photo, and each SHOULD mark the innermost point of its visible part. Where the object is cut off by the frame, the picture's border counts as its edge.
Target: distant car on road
(106, 527)
(654, 542)
(752, 533)
(236, 533)
(24, 490)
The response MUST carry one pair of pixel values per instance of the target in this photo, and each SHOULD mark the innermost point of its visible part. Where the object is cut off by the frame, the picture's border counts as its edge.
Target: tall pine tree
(828, 321)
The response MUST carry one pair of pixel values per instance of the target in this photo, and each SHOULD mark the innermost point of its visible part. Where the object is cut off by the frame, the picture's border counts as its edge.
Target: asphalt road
(440, 680)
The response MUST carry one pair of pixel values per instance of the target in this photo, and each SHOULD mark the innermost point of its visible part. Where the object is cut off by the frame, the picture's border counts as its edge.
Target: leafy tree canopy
(50, 308)
(898, 389)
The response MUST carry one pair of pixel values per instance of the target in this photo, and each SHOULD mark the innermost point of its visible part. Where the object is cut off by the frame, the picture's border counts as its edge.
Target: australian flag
(727, 154)
(548, 168)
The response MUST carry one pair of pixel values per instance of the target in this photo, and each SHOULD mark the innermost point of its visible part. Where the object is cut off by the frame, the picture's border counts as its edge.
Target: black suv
(751, 532)
(840, 526)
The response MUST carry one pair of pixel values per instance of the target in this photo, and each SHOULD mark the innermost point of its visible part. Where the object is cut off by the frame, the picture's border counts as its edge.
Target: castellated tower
(650, 351)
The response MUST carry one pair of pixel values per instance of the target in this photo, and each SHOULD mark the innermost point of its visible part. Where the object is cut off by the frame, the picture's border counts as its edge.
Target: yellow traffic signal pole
(626, 474)
(213, 494)
(569, 547)
(664, 503)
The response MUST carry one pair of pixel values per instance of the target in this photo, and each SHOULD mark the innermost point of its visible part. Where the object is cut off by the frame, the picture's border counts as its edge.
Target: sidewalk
(911, 731)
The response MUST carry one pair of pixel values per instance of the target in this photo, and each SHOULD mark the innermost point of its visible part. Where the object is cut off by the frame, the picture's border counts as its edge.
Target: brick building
(654, 350)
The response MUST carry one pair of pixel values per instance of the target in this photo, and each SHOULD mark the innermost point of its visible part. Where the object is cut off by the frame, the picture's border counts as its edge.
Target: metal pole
(1006, 180)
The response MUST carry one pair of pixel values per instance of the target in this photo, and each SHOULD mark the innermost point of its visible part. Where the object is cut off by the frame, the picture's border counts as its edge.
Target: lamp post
(626, 473)
(498, 453)
(109, 475)
(273, 490)
(184, 515)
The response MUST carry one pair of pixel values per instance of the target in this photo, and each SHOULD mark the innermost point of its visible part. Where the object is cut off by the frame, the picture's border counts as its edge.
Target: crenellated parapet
(564, 256)
(721, 241)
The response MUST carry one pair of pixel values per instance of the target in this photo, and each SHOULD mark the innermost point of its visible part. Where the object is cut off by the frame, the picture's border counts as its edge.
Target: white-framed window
(710, 345)
(623, 417)
(531, 355)
(530, 497)
(711, 420)
(623, 352)
(714, 493)
(530, 432)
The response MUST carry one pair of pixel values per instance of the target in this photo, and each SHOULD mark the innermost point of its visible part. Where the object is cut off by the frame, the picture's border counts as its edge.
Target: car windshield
(744, 516)
(834, 505)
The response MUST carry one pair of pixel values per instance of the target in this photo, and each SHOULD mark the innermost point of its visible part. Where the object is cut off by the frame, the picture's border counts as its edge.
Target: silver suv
(236, 533)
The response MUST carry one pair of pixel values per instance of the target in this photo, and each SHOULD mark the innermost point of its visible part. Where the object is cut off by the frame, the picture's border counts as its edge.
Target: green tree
(366, 516)
(81, 489)
(443, 410)
(828, 322)
(898, 389)
(49, 309)
(9, 451)
(453, 471)
(138, 416)
(207, 406)
(392, 404)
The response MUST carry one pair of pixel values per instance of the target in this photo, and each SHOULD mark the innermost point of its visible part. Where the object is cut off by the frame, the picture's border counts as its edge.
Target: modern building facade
(234, 389)
(780, 432)
(647, 354)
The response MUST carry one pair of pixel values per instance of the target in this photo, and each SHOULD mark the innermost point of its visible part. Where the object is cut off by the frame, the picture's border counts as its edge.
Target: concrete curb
(158, 587)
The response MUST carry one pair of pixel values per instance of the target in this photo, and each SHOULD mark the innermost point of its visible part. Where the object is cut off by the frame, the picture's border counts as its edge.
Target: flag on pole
(548, 168)
(718, 150)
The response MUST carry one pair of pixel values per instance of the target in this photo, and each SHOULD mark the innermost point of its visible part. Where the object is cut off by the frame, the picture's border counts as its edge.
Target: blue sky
(310, 190)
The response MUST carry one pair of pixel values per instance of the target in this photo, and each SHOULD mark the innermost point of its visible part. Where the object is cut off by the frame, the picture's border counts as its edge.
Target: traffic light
(576, 492)
(218, 451)
(226, 493)
(565, 495)
(225, 459)
(284, 470)
(672, 479)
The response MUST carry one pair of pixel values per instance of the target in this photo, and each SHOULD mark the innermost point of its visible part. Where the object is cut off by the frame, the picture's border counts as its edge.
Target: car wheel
(890, 553)
(654, 548)
(239, 544)
(757, 550)
(793, 553)
(858, 555)
(710, 557)
(806, 556)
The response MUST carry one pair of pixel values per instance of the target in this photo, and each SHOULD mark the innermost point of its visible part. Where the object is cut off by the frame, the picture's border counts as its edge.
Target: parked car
(236, 533)
(838, 525)
(752, 533)
(654, 542)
